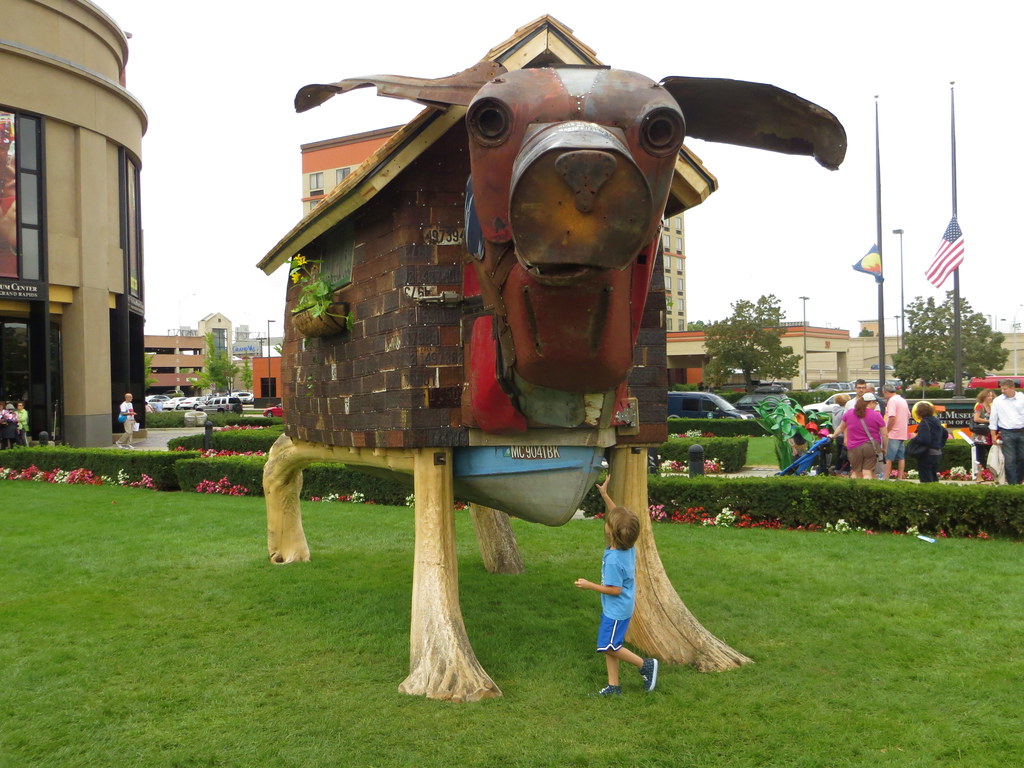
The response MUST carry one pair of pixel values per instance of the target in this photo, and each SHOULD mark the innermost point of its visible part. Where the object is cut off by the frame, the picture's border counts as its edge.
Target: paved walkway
(157, 439)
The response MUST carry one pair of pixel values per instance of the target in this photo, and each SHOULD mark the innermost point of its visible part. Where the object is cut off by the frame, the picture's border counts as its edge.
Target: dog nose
(585, 171)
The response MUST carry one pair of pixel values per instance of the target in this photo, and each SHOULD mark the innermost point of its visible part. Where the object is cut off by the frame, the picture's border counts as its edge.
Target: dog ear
(441, 92)
(758, 115)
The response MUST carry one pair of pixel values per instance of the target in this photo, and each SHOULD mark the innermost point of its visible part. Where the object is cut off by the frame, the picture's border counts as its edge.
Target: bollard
(208, 435)
(44, 438)
(696, 460)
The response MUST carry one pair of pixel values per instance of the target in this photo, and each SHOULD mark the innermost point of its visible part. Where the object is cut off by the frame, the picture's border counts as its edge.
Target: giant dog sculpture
(569, 172)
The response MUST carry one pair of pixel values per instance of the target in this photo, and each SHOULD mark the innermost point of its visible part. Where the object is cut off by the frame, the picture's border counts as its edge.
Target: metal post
(903, 310)
(208, 435)
(268, 358)
(804, 300)
(696, 454)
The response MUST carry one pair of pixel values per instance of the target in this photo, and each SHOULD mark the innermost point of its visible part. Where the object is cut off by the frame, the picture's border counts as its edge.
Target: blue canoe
(538, 483)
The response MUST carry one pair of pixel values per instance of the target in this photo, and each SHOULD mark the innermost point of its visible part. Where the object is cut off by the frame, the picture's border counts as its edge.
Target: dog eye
(662, 132)
(489, 121)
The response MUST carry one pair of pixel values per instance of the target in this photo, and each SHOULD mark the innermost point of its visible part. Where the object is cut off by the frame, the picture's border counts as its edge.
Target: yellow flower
(296, 277)
(298, 260)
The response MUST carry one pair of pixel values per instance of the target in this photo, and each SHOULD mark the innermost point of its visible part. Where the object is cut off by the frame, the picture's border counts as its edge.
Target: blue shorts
(611, 634)
(896, 451)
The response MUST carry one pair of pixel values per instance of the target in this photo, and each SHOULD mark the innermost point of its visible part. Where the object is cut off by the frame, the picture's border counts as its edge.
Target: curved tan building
(71, 289)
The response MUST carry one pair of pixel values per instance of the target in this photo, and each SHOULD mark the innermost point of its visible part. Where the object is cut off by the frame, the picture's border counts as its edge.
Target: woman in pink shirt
(865, 448)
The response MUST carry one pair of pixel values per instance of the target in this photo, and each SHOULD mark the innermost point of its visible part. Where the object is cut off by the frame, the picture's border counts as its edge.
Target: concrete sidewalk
(157, 439)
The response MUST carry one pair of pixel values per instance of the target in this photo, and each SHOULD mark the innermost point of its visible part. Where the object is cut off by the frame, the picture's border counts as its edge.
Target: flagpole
(958, 382)
(878, 239)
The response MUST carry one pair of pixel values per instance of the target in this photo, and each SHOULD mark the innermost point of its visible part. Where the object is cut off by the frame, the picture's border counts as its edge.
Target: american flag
(949, 256)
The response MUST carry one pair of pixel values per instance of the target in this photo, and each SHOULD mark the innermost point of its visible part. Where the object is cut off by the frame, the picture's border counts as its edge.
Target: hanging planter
(317, 312)
(332, 320)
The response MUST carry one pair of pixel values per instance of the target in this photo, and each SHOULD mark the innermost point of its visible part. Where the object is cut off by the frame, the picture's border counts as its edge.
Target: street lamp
(268, 357)
(903, 311)
(899, 338)
(1016, 338)
(804, 300)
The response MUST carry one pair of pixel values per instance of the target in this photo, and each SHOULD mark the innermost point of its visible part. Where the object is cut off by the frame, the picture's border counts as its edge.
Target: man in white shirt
(860, 387)
(1007, 426)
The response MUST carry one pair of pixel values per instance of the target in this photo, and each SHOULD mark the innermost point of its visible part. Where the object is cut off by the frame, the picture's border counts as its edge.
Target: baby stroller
(808, 458)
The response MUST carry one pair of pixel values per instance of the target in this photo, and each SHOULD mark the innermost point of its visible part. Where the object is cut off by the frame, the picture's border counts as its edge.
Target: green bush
(158, 465)
(717, 427)
(880, 506)
(241, 440)
(731, 451)
(176, 420)
(318, 480)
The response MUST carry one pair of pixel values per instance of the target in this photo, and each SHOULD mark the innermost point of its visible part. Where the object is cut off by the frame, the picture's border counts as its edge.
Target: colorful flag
(871, 264)
(949, 256)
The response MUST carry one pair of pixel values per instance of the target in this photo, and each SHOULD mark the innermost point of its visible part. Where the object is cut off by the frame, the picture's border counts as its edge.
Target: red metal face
(622, 114)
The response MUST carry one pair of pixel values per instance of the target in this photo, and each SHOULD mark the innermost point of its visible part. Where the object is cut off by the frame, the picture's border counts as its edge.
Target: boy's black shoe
(649, 673)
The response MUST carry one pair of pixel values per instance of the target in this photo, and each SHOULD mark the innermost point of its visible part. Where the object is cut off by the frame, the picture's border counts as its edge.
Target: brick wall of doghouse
(395, 380)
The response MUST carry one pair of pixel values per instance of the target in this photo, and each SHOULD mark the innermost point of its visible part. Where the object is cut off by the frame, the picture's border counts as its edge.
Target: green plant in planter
(317, 294)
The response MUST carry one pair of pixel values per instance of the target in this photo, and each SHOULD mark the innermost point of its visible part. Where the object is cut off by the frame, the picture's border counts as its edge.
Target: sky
(221, 173)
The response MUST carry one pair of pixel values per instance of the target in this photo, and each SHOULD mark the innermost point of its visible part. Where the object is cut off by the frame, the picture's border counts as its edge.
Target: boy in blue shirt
(618, 568)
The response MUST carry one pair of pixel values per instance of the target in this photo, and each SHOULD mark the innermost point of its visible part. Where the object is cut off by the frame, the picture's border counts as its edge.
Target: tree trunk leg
(496, 539)
(662, 625)
(282, 482)
(442, 664)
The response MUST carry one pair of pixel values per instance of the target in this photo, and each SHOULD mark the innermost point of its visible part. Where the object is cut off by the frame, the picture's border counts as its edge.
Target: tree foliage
(246, 374)
(749, 341)
(928, 345)
(218, 370)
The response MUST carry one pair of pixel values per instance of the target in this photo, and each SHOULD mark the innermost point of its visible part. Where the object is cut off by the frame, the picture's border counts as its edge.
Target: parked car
(221, 404)
(157, 398)
(993, 382)
(827, 404)
(245, 397)
(702, 405)
(189, 404)
(747, 402)
(274, 410)
(835, 386)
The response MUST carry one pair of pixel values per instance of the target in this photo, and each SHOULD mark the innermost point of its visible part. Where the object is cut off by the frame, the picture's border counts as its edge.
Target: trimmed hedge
(731, 451)
(176, 420)
(318, 480)
(240, 440)
(158, 465)
(717, 427)
(962, 510)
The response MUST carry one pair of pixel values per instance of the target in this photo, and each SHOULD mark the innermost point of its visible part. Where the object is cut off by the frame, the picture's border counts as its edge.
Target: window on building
(340, 174)
(679, 223)
(131, 224)
(668, 283)
(220, 339)
(679, 246)
(21, 196)
(316, 183)
(668, 323)
(666, 241)
(268, 387)
(680, 285)
(338, 249)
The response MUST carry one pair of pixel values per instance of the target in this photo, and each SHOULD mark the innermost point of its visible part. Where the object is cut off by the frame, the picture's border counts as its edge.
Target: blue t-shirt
(618, 567)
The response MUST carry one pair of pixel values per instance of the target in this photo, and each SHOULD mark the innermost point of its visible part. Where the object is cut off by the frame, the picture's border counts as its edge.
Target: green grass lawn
(149, 629)
(761, 452)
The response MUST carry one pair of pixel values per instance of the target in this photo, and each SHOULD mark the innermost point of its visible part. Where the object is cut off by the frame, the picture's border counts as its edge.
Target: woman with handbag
(932, 436)
(866, 437)
(979, 427)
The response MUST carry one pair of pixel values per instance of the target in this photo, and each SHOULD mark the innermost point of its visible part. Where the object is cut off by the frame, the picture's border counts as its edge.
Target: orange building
(325, 164)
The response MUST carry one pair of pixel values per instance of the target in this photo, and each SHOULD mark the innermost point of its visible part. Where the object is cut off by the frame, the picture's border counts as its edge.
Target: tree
(246, 375)
(750, 341)
(218, 370)
(150, 378)
(865, 332)
(928, 350)
(696, 325)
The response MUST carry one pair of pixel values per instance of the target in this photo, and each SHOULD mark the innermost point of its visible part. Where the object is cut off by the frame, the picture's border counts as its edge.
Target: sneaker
(609, 690)
(649, 673)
